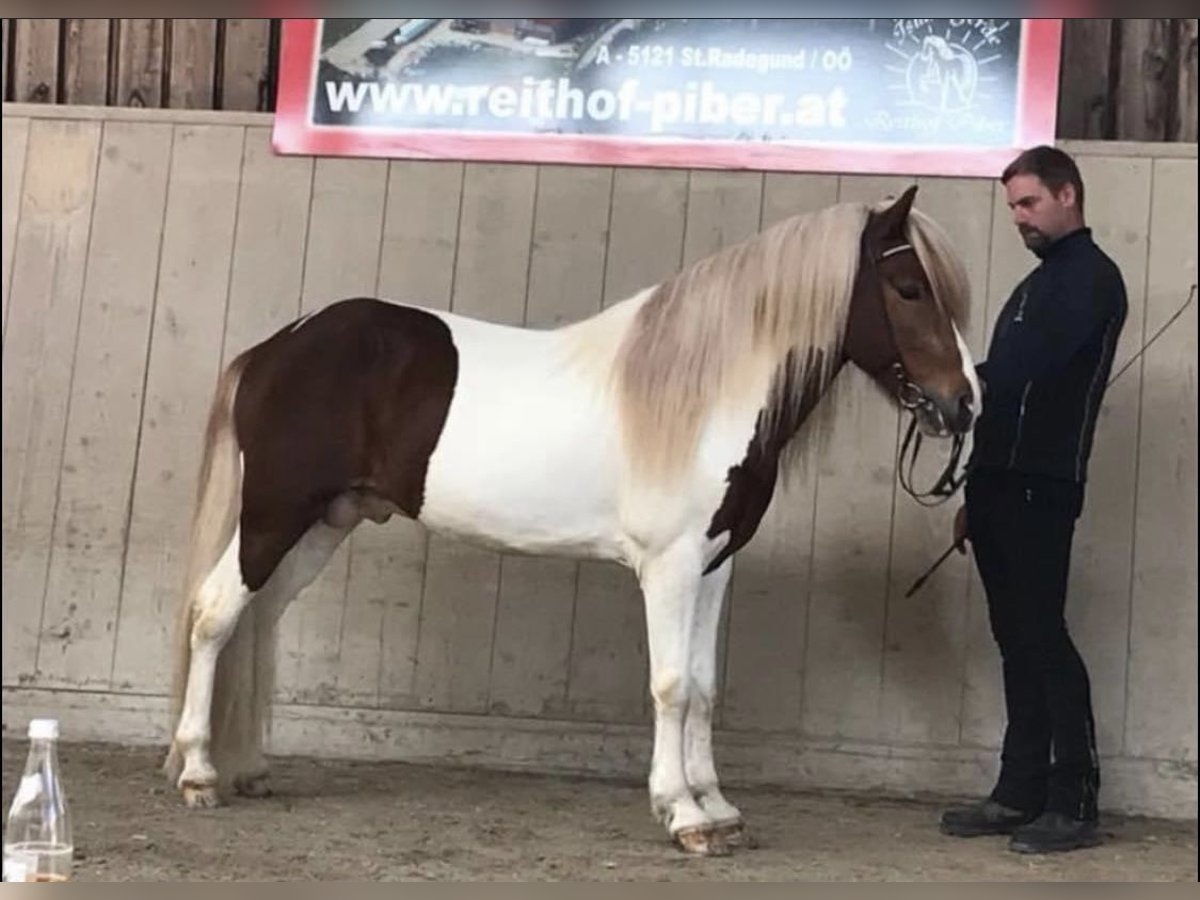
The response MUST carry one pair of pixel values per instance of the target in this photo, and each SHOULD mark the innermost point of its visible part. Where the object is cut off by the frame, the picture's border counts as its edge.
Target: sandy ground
(389, 821)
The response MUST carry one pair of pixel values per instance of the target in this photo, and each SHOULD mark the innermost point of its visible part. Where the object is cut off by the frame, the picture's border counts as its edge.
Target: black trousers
(1021, 527)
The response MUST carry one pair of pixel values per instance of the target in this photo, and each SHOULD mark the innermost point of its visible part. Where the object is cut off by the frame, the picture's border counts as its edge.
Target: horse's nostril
(966, 412)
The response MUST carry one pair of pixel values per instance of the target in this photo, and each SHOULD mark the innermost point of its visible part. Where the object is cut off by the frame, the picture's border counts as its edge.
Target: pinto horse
(651, 434)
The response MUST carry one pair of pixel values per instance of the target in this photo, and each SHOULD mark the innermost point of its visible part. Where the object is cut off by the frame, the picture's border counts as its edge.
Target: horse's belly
(527, 461)
(503, 494)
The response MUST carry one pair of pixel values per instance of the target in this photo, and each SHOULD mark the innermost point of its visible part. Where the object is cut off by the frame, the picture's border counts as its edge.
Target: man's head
(1045, 194)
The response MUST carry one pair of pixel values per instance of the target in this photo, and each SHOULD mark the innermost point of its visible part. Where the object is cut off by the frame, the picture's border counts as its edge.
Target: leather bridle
(913, 398)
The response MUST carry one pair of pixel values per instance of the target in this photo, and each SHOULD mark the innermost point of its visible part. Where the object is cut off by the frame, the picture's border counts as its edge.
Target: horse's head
(933, 46)
(901, 330)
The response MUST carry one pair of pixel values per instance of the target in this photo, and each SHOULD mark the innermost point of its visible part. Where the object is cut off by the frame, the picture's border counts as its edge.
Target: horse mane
(771, 310)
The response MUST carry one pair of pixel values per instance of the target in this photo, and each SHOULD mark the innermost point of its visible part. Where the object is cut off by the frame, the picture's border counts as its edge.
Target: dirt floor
(390, 821)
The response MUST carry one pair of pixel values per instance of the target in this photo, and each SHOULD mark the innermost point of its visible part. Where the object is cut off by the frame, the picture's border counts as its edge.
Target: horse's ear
(891, 220)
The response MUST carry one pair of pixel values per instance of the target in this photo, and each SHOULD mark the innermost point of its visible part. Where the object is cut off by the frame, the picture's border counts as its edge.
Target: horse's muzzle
(957, 412)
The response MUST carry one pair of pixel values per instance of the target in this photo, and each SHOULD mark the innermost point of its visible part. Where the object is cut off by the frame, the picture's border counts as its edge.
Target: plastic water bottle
(37, 838)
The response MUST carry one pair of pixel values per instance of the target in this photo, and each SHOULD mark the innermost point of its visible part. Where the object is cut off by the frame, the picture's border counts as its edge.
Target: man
(1043, 380)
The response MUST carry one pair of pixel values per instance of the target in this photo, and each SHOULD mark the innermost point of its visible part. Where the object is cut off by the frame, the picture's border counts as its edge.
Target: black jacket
(1049, 363)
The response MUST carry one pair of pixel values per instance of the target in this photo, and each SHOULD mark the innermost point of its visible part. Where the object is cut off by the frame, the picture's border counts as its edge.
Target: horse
(949, 71)
(651, 434)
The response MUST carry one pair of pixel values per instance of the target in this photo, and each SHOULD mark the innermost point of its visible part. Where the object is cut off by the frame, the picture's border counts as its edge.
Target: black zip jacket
(1049, 363)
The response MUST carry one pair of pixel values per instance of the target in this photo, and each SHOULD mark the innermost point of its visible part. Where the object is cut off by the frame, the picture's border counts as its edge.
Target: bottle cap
(43, 729)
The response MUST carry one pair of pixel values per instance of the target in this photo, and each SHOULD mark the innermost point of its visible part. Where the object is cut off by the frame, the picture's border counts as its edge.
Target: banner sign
(911, 96)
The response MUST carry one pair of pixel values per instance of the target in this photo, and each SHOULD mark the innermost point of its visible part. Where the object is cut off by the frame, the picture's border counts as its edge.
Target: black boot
(985, 817)
(1054, 832)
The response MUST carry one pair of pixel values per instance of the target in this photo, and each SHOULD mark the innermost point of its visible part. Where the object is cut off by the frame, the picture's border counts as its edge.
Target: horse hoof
(734, 835)
(701, 842)
(255, 787)
(200, 796)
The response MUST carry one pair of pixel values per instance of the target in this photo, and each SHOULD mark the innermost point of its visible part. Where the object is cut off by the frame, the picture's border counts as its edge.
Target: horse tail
(214, 523)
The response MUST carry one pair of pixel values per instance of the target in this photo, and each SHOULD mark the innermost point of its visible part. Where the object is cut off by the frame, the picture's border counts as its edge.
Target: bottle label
(18, 865)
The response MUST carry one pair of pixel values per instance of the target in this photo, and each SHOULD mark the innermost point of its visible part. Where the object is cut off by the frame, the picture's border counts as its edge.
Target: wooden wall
(141, 249)
(167, 63)
(1123, 79)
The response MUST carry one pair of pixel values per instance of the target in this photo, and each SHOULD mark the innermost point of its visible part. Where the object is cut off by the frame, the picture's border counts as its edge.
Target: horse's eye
(909, 291)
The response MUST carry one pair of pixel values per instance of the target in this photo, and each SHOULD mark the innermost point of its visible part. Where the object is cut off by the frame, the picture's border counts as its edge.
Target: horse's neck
(792, 400)
(595, 341)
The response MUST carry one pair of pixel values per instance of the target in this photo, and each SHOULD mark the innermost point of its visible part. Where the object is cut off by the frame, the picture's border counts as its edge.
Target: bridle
(912, 397)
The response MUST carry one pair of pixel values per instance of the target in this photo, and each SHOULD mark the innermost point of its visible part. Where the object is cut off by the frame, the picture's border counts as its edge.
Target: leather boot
(985, 817)
(1054, 832)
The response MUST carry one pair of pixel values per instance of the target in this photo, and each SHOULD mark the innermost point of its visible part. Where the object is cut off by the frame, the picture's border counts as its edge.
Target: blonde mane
(775, 303)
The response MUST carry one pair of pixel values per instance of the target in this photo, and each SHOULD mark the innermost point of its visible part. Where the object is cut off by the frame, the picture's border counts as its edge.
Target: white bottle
(37, 837)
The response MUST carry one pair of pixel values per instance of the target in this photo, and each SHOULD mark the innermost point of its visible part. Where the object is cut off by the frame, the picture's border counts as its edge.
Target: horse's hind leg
(698, 755)
(296, 571)
(219, 602)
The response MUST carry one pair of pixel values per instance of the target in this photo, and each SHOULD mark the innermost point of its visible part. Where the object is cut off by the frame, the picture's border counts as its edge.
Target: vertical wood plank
(245, 64)
(43, 321)
(1143, 102)
(36, 62)
(1083, 98)
(1118, 209)
(570, 236)
(139, 62)
(91, 521)
(768, 597)
(268, 256)
(420, 234)
(534, 618)
(5, 46)
(1189, 97)
(458, 608)
(855, 496)
(983, 699)
(609, 662)
(185, 354)
(341, 260)
(723, 208)
(192, 65)
(85, 63)
(645, 241)
(1161, 719)
(14, 144)
(926, 634)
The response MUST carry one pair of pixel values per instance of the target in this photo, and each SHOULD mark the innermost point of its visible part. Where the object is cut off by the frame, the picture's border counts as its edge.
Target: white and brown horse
(651, 434)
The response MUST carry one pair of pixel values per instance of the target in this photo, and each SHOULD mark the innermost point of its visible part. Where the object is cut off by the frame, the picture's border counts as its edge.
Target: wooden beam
(86, 61)
(139, 60)
(1146, 88)
(35, 69)
(1185, 129)
(192, 64)
(1083, 88)
(244, 73)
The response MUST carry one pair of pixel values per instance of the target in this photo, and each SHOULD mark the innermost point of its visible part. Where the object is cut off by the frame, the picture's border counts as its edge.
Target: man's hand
(960, 530)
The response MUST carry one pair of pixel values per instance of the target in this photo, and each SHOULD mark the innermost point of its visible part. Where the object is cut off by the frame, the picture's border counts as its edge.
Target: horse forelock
(731, 329)
(943, 266)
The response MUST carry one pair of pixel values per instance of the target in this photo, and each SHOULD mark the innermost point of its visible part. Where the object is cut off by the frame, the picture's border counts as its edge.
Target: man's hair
(1054, 167)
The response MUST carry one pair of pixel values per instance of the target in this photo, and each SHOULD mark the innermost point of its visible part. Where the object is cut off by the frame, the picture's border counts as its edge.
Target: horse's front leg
(699, 767)
(670, 585)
